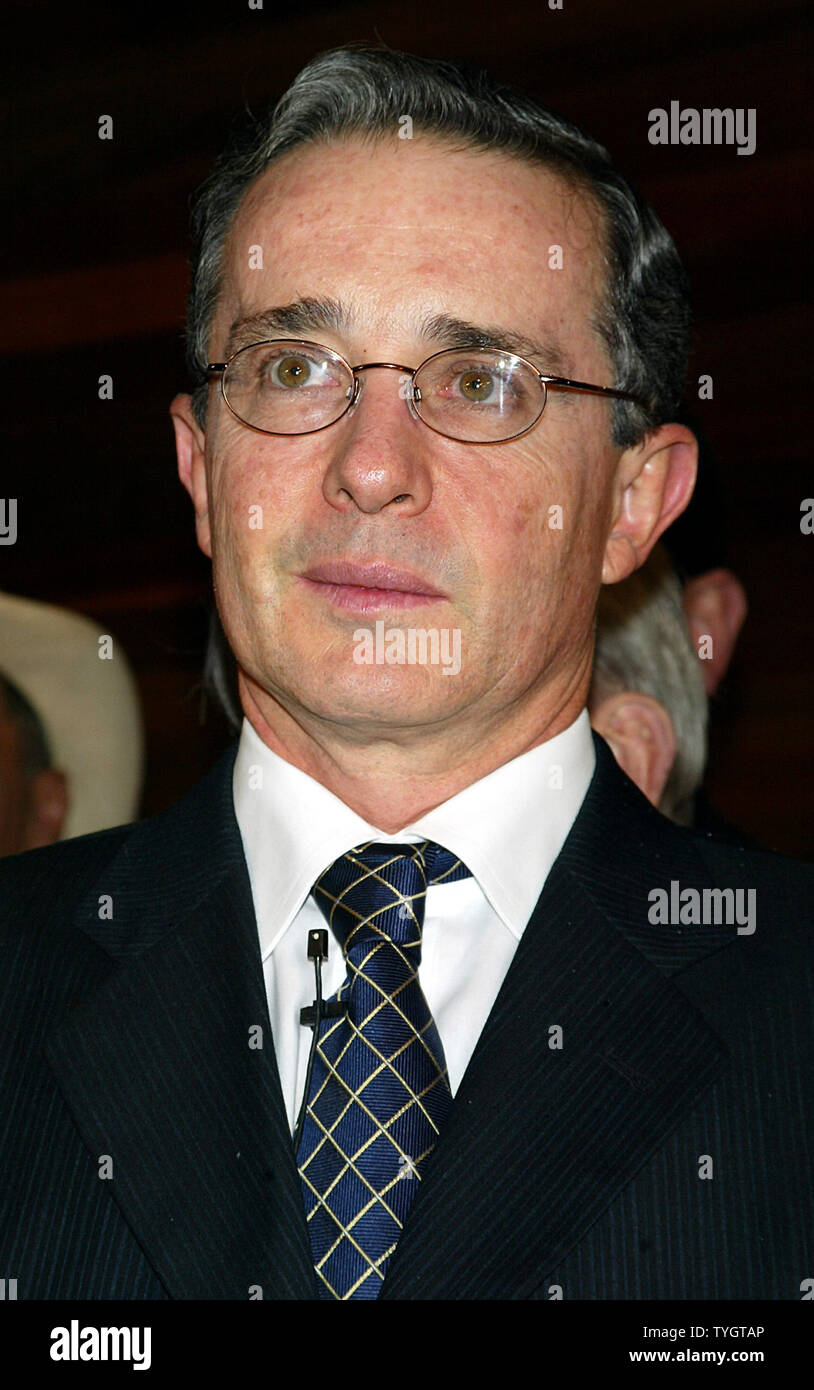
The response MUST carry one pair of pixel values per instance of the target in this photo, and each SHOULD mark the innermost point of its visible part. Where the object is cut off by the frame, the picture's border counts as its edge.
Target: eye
(494, 385)
(476, 385)
(291, 371)
(283, 370)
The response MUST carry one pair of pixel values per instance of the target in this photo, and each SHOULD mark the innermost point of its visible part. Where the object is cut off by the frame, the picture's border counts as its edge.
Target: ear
(189, 448)
(654, 482)
(716, 606)
(47, 808)
(641, 736)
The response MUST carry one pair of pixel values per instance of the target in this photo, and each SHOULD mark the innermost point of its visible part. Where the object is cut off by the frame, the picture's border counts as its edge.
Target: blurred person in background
(647, 696)
(33, 792)
(713, 597)
(71, 735)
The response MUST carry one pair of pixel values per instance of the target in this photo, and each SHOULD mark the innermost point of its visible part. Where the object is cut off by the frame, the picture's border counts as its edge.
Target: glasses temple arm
(567, 385)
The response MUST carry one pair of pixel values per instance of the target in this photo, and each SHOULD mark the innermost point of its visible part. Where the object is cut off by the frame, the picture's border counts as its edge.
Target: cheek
(242, 504)
(531, 521)
(238, 517)
(521, 516)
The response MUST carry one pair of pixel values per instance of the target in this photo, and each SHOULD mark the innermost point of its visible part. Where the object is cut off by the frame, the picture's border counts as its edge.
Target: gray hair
(360, 91)
(643, 643)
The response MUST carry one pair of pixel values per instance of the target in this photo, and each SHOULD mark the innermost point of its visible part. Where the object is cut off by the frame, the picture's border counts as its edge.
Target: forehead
(397, 230)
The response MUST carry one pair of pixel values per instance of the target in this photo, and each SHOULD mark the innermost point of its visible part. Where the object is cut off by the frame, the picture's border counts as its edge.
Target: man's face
(510, 537)
(14, 788)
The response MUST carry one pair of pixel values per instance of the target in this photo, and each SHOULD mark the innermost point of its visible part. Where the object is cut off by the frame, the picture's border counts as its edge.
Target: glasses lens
(287, 387)
(479, 397)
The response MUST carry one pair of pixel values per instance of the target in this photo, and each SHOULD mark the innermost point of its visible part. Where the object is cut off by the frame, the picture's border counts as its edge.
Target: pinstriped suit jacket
(664, 1151)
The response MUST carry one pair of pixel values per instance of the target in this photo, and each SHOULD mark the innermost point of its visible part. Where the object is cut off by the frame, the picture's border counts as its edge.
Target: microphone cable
(312, 1016)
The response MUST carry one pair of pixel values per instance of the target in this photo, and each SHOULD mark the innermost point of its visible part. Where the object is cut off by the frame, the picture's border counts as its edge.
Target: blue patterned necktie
(379, 1091)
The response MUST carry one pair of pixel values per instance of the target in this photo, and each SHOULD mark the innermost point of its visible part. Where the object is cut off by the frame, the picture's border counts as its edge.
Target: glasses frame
(558, 383)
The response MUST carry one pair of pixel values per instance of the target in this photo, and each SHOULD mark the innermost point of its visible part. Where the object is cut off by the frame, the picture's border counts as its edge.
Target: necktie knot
(379, 891)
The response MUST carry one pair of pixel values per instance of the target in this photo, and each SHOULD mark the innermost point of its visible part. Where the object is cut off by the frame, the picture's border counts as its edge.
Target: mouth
(369, 587)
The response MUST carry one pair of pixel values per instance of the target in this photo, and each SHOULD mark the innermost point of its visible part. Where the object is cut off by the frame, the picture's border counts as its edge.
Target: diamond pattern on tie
(379, 1091)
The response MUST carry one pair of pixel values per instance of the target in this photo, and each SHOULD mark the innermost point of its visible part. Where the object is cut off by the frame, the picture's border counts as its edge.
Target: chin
(381, 696)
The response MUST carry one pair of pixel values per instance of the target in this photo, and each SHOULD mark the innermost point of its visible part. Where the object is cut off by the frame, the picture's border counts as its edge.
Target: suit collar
(178, 857)
(620, 849)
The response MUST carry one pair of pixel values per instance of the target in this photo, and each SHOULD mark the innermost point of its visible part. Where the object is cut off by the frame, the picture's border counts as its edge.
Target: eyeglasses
(290, 386)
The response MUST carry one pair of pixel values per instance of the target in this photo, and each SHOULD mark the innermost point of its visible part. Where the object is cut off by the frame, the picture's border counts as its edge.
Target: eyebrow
(308, 315)
(296, 319)
(453, 332)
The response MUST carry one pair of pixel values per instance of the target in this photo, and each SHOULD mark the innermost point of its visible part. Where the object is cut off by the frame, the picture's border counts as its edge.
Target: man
(33, 793)
(577, 1096)
(647, 696)
(649, 691)
(71, 737)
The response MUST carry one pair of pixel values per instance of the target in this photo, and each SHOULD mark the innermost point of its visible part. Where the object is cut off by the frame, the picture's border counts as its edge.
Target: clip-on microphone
(313, 1015)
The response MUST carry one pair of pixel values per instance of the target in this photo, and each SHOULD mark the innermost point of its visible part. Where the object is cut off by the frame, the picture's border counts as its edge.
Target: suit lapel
(541, 1139)
(158, 1069)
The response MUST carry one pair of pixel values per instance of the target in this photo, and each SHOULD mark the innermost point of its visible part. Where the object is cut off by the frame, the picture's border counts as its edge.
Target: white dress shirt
(508, 828)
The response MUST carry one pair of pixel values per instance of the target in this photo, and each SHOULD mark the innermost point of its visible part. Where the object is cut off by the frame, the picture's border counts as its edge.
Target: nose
(380, 459)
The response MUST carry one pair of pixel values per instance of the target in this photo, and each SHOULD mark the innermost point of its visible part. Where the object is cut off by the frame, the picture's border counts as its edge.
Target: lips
(376, 575)
(368, 585)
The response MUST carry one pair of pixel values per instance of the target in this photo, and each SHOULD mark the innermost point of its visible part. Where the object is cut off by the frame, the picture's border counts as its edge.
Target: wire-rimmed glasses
(290, 386)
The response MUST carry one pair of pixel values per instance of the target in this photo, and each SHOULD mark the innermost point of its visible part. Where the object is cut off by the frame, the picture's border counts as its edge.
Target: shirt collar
(508, 827)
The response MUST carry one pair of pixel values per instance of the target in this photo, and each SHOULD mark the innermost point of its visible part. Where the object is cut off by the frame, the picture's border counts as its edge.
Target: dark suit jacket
(575, 1168)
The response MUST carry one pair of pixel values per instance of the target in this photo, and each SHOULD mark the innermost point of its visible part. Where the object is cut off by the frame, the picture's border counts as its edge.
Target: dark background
(95, 281)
